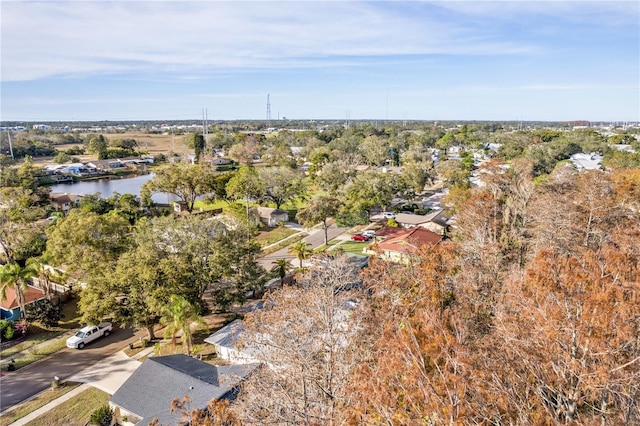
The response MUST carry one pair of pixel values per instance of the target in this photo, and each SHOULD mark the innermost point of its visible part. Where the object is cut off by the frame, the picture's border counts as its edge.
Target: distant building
(272, 217)
(64, 202)
(587, 161)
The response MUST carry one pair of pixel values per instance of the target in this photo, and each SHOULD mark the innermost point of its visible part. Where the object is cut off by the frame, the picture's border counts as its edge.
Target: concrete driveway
(109, 374)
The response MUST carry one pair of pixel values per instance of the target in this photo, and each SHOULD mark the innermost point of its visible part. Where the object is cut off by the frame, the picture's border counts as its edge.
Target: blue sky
(417, 60)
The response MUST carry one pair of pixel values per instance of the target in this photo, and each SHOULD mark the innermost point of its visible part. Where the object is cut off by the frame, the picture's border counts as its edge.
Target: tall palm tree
(178, 315)
(301, 250)
(18, 277)
(46, 275)
(281, 267)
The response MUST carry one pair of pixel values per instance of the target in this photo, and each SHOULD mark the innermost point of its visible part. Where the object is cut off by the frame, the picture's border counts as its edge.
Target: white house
(272, 217)
(225, 342)
(584, 161)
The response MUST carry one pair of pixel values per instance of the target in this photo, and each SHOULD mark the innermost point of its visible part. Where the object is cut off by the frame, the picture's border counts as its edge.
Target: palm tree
(301, 250)
(14, 275)
(46, 275)
(178, 315)
(281, 267)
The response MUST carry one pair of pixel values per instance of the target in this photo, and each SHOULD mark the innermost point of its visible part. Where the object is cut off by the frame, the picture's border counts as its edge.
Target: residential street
(32, 379)
(315, 239)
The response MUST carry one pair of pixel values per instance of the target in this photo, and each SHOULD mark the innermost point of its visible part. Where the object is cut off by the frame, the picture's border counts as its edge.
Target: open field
(153, 144)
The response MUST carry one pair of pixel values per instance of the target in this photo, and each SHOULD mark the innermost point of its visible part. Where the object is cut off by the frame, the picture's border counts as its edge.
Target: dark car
(359, 237)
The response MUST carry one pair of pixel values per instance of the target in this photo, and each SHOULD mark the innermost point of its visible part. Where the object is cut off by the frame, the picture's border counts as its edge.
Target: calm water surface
(108, 187)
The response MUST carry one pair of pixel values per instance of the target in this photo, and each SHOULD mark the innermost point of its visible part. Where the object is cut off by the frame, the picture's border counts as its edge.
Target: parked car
(388, 215)
(370, 233)
(359, 237)
(89, 334)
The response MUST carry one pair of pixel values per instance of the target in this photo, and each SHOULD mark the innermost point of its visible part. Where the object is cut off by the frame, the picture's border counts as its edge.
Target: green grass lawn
(74, 412)
(273, 235)
(354, 247)
(39, 401)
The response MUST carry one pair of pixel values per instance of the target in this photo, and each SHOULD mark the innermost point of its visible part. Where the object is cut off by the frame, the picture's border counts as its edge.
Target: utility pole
(205, 125)
(10, 145)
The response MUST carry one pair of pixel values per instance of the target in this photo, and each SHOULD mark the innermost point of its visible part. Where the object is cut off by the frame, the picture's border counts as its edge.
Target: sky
(382, 60)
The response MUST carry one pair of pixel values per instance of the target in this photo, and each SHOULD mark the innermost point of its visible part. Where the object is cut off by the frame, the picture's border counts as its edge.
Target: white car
(369, 233)
(388, 215)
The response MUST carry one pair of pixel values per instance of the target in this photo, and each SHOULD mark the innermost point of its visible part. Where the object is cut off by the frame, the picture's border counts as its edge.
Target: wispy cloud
(74, 38)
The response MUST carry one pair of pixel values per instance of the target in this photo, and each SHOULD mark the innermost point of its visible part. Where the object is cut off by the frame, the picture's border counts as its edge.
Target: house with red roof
(9, 306)
(401, 244)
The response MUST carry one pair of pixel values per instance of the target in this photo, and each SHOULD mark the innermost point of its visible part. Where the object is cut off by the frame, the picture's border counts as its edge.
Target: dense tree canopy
(187, 182)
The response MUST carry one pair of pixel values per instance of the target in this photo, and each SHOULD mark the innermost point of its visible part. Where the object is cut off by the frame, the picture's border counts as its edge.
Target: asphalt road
(34, 378)
(315, 240)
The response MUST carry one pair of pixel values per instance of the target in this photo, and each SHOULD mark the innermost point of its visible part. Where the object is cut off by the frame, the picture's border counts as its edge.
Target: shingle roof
(409, 240)
(228, 335)
(436, 216)
(267, 212)
(151, 388)
(31, 294)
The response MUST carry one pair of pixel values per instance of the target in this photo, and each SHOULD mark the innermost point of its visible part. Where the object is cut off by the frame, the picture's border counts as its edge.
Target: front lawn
(33, 404)
(272, 235)
(354, 247)
(74, 412)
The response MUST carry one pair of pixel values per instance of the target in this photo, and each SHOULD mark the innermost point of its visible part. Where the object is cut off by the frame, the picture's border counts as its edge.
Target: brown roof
(389, 232)
(63, 198)
(408, 240)
(30, 295)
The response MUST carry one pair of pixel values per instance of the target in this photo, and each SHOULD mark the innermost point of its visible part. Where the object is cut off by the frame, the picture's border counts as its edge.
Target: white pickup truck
(89, 334)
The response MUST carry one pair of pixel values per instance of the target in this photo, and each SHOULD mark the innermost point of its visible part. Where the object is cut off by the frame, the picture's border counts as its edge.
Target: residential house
(9, 307)
(76, 169)
(222, 161)
(225, 342)
(64, 202)
(148, 393)
(401, 244)
(179, 206)
(305, 166)
(272, 217)
(107, 166)
(137, 160)
(392, 169)
(435, 221)
(584, 161)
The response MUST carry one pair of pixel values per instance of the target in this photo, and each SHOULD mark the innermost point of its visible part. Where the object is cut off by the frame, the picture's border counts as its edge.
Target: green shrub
(7, 330)
(44, 312)
(102, 416)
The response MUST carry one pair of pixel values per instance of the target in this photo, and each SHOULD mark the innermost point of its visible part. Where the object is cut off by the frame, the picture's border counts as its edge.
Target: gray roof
(227, 336)
(436, 216)
(151, 388)
(267, 212)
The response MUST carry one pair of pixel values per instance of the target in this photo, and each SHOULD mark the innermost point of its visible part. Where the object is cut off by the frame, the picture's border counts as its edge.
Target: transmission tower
(268, 110)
